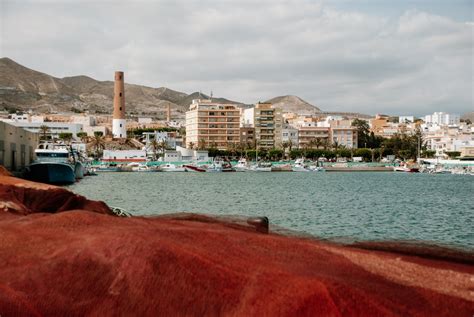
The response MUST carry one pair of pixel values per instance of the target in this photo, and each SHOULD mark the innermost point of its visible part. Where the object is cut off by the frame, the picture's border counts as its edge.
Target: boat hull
(52, 173)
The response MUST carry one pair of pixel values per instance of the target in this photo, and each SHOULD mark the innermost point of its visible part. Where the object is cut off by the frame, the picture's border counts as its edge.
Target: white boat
(168, 167)
(261, 167)
(242, 165)
(219, 165)
(300, 166)
(138, 167)
(314, 168)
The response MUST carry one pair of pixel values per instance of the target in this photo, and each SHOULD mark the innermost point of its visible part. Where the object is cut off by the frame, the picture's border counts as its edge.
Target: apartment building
(289, 135)
(210, 124)
(247, 137)
(443, 118)
(344, 136)
(268, 122)
(310, 135)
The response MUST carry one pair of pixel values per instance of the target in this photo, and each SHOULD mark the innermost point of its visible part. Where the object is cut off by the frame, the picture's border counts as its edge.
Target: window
(120, 94)
(120, 125)
(120, 109)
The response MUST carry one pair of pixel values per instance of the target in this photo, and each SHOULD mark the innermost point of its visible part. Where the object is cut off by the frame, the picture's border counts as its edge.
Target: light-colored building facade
(55, 128)
(443, 118)
(210, 124)
(17, 146)
(344, 136)
(268, 123)
(312, 136)
(289, 136)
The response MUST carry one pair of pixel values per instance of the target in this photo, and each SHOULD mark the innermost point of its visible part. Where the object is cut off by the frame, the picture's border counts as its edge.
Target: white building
(55, 128)
(289, 134)
(443, 118)
(124, 156)
(182, 154)
(247, 118)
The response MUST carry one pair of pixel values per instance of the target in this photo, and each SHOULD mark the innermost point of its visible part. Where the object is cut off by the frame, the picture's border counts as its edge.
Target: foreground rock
(61, 254)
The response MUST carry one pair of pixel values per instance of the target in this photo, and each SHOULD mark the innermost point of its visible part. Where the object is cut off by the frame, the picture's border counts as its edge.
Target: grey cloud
(251, 51)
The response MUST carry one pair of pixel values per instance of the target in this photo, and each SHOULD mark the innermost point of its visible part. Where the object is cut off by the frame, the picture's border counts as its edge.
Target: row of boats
(61, 164)
(217, 165)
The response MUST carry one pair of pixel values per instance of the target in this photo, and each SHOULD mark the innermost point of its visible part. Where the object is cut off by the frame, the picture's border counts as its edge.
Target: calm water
(360, 206)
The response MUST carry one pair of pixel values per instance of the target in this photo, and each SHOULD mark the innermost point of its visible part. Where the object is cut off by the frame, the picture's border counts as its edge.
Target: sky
(370, 56)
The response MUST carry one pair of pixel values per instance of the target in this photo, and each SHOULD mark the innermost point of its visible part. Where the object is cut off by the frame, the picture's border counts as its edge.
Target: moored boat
(261, 167)
(242, 165)
(55, 164)
(168, 167)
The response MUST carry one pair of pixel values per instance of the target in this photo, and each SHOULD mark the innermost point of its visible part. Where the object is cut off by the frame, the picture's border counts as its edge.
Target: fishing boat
(406, 168)
(300, 166)
(55, 164)
(137, 167)
(242, 165)
(108, 167)
(168, 167)
(194, 168)
(219, 165)
(261, 167)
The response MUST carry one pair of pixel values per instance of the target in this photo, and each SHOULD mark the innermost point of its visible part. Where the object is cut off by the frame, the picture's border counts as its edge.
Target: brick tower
(119, 129)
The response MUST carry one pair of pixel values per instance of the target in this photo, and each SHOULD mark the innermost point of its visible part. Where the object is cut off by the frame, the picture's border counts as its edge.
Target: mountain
(198, 95)
(22, 88)
(294, 104)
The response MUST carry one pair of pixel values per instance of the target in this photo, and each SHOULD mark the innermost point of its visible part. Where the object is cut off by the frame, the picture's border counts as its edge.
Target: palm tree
(312, 143)
(162, 146)
(83, 136)
(154, 148)
(201, 144)
(98, 143)
(318, 142)
(191, 145)
(44, 129)
(284, 145)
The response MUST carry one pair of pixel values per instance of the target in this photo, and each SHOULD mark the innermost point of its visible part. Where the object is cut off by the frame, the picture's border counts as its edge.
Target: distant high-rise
(119, 129)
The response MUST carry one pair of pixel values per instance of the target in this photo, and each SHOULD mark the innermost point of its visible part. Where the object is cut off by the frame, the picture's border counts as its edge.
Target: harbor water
(339, 206)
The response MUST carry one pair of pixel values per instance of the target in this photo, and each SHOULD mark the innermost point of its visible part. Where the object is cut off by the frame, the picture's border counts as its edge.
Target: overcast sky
(395, 57)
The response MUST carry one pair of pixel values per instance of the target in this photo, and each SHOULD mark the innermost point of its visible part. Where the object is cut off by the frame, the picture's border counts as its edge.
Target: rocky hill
(22, 88)
(294, 104)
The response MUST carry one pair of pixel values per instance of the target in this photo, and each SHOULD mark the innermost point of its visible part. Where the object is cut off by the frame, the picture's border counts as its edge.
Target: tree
(44, 129)
(154, 148)
(83, 136)
(191, 145)
(65, 136)
(453, 154)
(98, 143)
(201, 144)
(162, 146)
(362, 127)
(98, 133)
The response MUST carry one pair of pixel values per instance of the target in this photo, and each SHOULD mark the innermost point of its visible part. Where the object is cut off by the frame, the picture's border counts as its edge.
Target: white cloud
(247, 51)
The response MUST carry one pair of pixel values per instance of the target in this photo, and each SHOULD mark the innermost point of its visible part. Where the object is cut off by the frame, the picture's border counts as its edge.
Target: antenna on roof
(211, 95)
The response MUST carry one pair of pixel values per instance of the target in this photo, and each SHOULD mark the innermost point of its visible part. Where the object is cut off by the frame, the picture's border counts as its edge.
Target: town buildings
(210, 124)
(267, 122)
